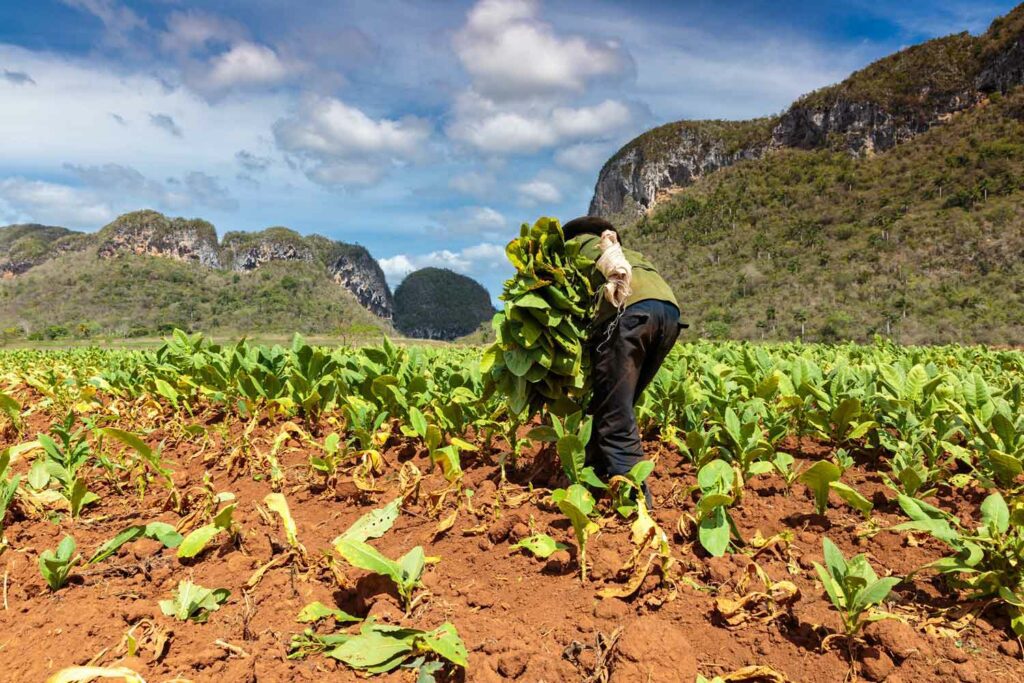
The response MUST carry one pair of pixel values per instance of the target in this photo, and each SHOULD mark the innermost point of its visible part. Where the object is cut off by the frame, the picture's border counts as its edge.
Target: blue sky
(426, 131)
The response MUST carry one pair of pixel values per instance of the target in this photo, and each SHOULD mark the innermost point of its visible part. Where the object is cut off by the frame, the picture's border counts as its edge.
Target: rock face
(246, 251)
(875, 109)
(1002, 59)
(153, 234)
(359, 273)
(435, 303)
(858, 127)
(672, 156)
(150, 233)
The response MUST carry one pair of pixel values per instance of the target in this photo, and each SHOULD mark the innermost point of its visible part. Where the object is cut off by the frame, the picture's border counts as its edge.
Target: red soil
(521, 618)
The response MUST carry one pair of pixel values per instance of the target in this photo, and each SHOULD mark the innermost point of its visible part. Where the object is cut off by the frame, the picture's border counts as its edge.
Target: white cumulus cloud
(192, 29)
(245, 65)
(338, 144)
(538, 191)
(494, 127)
(510, 53)
(23, 200)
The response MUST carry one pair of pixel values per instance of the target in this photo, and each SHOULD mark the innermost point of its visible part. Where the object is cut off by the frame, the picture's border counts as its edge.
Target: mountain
(891, 203)
(886, 103)
(435, 303)
(145, 273)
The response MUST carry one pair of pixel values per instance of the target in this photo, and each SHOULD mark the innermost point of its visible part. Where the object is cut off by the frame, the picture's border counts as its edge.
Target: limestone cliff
(674, 155)
(153, 234)
(359, 273)
(245, 251)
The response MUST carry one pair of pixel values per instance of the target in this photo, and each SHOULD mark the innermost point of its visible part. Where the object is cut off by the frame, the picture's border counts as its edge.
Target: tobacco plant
(853, 587)
(64, 457)
(715, 526)
(192, 602)
(988, 560)
(577, 504)
(8, 486)
(56, 566)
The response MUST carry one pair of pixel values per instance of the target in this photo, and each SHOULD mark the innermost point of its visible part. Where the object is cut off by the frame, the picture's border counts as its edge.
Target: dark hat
(592, 225)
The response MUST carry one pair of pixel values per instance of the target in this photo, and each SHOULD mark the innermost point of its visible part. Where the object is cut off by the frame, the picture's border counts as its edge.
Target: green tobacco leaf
(817, 477)
(1005, 467)
(80, 497)
(717, 476)
(418, 421)
(576, 503)
(518, 361)
(848, 409)
(876, 592)
(159, 531)
(835, 595)
(11, 407)
(834, 559)
(541, 545)
(572, 453)
(411, 565)
(532, 300)
(55, 566)
(710, 501)
(38, 475)
(364, 556)
(543, 433)
(373, 650)
(446, 642)
(315, 611)
(713, 532)
(995, 512)
(641, 471)
(129, 439)
(197, 540)
(853, 498)
(373, 524)
(193, 602)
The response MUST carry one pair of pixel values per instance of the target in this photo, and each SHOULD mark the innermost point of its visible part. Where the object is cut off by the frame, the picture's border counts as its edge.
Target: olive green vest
(646, 282)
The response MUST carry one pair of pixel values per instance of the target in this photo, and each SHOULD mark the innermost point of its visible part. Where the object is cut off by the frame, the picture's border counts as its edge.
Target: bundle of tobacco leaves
(539, 359)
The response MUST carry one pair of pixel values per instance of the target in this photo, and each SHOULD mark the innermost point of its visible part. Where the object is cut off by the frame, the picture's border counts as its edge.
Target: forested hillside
(924, 243)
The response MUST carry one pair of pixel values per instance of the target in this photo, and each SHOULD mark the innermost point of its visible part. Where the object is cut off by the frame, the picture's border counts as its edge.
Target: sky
(426, 131)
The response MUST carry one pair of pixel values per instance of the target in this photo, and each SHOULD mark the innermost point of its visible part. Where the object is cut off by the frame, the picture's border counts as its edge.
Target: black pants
(623, 363)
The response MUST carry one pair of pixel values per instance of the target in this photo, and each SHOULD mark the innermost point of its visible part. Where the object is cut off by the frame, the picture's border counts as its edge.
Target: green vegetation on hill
(906, 80)
(435, 303)
(81, 295)
(31, 241)
(238, 239)
(924, 243)
(735, 136)
(160, 226)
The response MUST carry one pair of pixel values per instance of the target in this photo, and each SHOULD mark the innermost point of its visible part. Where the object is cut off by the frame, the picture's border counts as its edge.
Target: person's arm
(617, 271)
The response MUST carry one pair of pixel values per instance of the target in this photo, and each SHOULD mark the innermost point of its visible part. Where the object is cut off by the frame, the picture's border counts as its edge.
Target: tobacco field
(248, 513)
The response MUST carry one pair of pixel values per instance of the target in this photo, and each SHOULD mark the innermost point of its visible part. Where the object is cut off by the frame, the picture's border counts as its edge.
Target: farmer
(635, 326)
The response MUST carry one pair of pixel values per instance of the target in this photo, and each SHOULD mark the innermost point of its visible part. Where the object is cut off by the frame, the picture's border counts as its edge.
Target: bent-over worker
(635, 326)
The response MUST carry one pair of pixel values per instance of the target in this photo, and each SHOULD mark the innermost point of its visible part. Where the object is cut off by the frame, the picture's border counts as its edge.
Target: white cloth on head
(616, 270)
